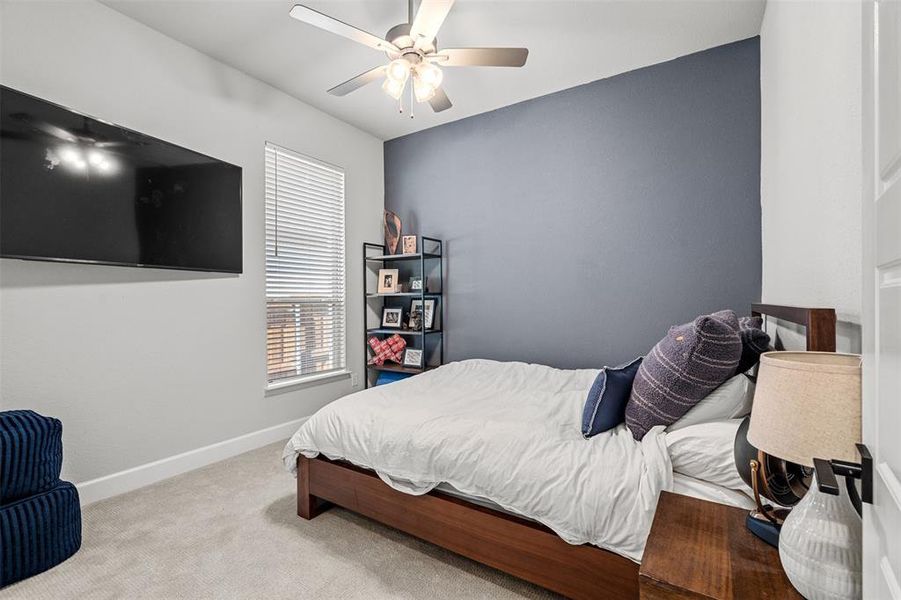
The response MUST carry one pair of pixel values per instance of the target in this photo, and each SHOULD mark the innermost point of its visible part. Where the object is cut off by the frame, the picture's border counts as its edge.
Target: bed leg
(308, 506)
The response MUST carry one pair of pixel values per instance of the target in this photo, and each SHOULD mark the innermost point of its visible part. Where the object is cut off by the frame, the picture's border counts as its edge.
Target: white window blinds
(304, 266)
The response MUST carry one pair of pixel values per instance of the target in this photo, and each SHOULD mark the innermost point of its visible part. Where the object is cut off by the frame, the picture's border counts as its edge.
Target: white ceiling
(570, 43)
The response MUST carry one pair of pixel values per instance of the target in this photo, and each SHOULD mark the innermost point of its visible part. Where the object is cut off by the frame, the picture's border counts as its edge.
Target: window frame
(287, 383)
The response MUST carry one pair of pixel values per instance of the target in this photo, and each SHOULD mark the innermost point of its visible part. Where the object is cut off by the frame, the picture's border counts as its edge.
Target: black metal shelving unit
(427, 264)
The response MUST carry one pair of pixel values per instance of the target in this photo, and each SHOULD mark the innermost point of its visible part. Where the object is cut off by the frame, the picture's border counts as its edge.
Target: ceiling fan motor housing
(399, 35)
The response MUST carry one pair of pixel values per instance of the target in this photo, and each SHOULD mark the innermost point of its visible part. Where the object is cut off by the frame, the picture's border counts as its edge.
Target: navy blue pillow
(605, 407)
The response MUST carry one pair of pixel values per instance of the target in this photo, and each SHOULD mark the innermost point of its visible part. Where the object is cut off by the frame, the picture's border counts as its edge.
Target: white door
(882, 294)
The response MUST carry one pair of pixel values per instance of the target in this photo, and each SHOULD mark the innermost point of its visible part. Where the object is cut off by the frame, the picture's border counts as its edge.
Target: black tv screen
(76, 189)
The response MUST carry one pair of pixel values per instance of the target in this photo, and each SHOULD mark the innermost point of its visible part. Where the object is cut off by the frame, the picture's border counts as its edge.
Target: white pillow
(730, 400)
(705, 451)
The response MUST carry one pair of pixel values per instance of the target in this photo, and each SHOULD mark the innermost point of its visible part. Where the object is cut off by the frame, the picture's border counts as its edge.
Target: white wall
(810, 184)
(142, 364)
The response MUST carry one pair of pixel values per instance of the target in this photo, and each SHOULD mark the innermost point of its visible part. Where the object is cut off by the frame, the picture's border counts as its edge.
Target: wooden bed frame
(517, 546)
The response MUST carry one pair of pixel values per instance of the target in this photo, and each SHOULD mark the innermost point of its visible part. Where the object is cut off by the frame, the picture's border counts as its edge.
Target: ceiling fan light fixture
(429, 74)
(398, 70)
(423, 90)
(95, 158)
(393, 87)
(70, 155)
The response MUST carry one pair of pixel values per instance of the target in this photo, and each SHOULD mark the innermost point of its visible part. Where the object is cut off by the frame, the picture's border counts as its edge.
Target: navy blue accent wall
(582, 224)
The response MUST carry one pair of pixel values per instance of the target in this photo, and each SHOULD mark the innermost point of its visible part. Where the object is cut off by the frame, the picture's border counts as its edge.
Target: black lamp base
(764, 529)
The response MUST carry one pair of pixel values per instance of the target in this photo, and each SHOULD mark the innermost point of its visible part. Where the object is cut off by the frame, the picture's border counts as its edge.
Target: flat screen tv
(76, 189)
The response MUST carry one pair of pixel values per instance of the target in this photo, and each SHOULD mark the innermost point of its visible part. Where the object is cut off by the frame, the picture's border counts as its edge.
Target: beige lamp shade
(806, 406)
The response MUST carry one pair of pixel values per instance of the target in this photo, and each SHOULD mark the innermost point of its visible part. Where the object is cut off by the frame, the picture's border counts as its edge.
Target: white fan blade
(440, 101)
(317, 19)
(428, 20)
(358, 81)
(481, 57)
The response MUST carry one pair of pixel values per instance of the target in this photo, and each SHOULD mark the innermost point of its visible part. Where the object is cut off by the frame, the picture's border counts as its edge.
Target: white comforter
(508, 432)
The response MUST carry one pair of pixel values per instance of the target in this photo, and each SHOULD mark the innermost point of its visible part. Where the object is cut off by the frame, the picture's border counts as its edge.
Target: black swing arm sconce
(826, 471)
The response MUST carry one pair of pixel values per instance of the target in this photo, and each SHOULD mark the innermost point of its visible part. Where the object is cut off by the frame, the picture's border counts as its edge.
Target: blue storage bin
(386, 377)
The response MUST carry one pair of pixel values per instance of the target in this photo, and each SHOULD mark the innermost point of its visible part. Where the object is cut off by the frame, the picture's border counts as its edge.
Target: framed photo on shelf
(388, 283)
(413, 358)
(427, 311)
(392, 318)
(408, 244)
(415, 283)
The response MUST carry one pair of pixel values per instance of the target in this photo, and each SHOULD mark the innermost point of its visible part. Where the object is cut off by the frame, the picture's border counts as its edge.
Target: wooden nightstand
(700, 549)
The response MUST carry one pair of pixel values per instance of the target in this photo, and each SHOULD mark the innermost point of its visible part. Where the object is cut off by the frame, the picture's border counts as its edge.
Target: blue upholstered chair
(40, 517)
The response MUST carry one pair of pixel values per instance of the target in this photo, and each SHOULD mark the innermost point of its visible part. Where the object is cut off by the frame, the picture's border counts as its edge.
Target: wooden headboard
(820, 323)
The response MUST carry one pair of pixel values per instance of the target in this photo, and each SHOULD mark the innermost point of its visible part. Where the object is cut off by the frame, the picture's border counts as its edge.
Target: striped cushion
(31, 453)
(690, 362)
(754, 342)
(39, 532)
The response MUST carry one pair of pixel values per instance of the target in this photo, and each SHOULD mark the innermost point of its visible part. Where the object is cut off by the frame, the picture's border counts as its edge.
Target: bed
(403, 455)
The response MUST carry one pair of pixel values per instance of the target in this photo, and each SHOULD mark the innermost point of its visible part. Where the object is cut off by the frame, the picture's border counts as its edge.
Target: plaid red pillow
(389, 349)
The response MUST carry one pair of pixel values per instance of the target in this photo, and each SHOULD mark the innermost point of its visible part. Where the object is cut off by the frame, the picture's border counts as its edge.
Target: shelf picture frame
(388, 281)
(408, 244)
(413, 358)
(392, 318)
(427, 311)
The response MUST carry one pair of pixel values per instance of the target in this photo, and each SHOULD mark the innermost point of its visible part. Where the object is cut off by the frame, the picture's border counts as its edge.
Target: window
(305, 297)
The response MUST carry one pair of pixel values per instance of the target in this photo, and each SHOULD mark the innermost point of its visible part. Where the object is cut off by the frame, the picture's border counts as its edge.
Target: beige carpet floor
(230, 530)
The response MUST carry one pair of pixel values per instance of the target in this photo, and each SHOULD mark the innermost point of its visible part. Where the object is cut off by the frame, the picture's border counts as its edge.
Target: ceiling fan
(413, 51)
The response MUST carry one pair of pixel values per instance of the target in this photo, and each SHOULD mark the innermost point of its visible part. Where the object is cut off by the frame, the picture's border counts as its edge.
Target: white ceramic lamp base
(820, 546)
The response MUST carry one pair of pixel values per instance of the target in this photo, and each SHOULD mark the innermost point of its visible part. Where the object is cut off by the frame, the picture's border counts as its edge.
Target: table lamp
(806, 411)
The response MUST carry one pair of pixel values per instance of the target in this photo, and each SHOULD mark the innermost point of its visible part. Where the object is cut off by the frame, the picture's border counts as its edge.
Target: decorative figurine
(392, 232)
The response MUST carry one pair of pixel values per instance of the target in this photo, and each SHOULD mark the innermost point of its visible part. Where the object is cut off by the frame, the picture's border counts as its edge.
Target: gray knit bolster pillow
(686, 365)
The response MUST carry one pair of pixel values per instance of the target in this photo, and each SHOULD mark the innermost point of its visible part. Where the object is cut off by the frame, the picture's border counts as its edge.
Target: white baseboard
(137, 477)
